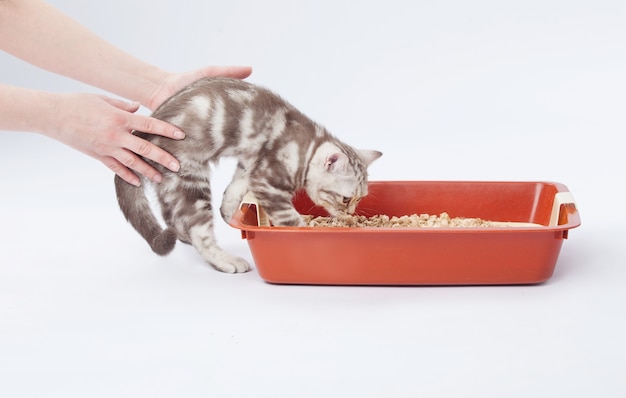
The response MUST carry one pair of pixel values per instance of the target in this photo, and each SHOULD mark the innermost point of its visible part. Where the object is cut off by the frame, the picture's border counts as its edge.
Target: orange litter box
(538, 217)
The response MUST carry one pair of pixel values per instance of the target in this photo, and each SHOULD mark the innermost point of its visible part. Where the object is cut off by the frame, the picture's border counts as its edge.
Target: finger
(131, 107)
(238, 72)
(147, 124)
(150, 151)
(130, 160)
(123, 172)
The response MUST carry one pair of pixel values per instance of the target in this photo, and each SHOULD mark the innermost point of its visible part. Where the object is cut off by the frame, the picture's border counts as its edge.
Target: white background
(448, 90)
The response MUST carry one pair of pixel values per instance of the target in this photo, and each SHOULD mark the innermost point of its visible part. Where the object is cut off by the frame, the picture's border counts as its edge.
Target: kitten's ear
(336, 162)
(368, 156)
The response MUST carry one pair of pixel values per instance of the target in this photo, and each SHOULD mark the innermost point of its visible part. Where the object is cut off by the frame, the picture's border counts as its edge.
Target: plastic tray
(526, 252)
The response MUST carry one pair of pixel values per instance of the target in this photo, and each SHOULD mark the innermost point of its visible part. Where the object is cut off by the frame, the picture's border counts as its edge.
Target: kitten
(279, 151)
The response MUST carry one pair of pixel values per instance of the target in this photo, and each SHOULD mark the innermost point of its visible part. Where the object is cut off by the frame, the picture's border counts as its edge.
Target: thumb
(131, 107)
(238, 72)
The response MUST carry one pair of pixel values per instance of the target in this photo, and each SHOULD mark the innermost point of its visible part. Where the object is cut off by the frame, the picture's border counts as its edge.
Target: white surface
(448, 91)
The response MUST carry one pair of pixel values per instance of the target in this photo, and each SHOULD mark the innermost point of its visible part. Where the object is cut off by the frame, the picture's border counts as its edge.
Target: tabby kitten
(279, 151)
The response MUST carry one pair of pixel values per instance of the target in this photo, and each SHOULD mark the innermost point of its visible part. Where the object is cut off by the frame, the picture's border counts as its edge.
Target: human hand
(101, 127)
(174, 82)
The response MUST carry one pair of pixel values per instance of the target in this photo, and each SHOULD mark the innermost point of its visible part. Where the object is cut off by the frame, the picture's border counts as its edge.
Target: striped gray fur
(279, 151)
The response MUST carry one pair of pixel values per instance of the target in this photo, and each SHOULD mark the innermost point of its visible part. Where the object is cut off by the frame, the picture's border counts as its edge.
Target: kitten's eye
(346, 200)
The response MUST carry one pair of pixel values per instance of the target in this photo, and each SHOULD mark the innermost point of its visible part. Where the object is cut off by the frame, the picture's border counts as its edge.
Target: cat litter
(406, 221)
(522, 245)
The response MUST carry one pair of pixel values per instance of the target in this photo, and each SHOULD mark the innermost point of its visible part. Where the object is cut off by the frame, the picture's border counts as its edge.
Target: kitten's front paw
(230, 264)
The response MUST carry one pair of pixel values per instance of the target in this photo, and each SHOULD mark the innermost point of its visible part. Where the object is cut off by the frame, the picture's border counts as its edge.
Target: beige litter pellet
(384, 221)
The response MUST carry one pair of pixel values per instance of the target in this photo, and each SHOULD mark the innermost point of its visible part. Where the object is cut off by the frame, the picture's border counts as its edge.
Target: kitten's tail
(136, 209)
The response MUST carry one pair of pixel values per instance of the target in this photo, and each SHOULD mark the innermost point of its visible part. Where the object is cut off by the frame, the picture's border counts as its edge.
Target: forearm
(25, 110)
(39, 34)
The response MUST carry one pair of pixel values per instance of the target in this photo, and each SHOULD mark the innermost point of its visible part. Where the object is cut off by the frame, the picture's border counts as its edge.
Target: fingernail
(157, 178)
(136, 182)
(174, 166)
(179, 134)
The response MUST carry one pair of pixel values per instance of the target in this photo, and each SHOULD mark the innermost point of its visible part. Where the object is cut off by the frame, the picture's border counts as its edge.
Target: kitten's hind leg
(234, 193)
(187, 207)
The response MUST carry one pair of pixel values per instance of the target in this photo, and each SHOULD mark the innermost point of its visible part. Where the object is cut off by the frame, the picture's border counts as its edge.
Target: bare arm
(39, 34)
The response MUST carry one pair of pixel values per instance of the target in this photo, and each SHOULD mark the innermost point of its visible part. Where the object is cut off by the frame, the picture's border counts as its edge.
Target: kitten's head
(338, 178)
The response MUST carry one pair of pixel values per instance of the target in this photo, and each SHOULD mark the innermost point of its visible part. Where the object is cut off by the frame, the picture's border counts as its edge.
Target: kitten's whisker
(367, 211)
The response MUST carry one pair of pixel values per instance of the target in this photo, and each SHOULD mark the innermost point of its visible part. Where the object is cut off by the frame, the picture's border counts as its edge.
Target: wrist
(48, 114)
(151, 86)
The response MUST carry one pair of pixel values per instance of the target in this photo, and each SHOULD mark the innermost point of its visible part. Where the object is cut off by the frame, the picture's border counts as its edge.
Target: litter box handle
(560, 198)
(261, 216)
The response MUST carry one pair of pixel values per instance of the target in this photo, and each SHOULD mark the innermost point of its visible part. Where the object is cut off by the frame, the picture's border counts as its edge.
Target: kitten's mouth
(332, 210)
(338, 214)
